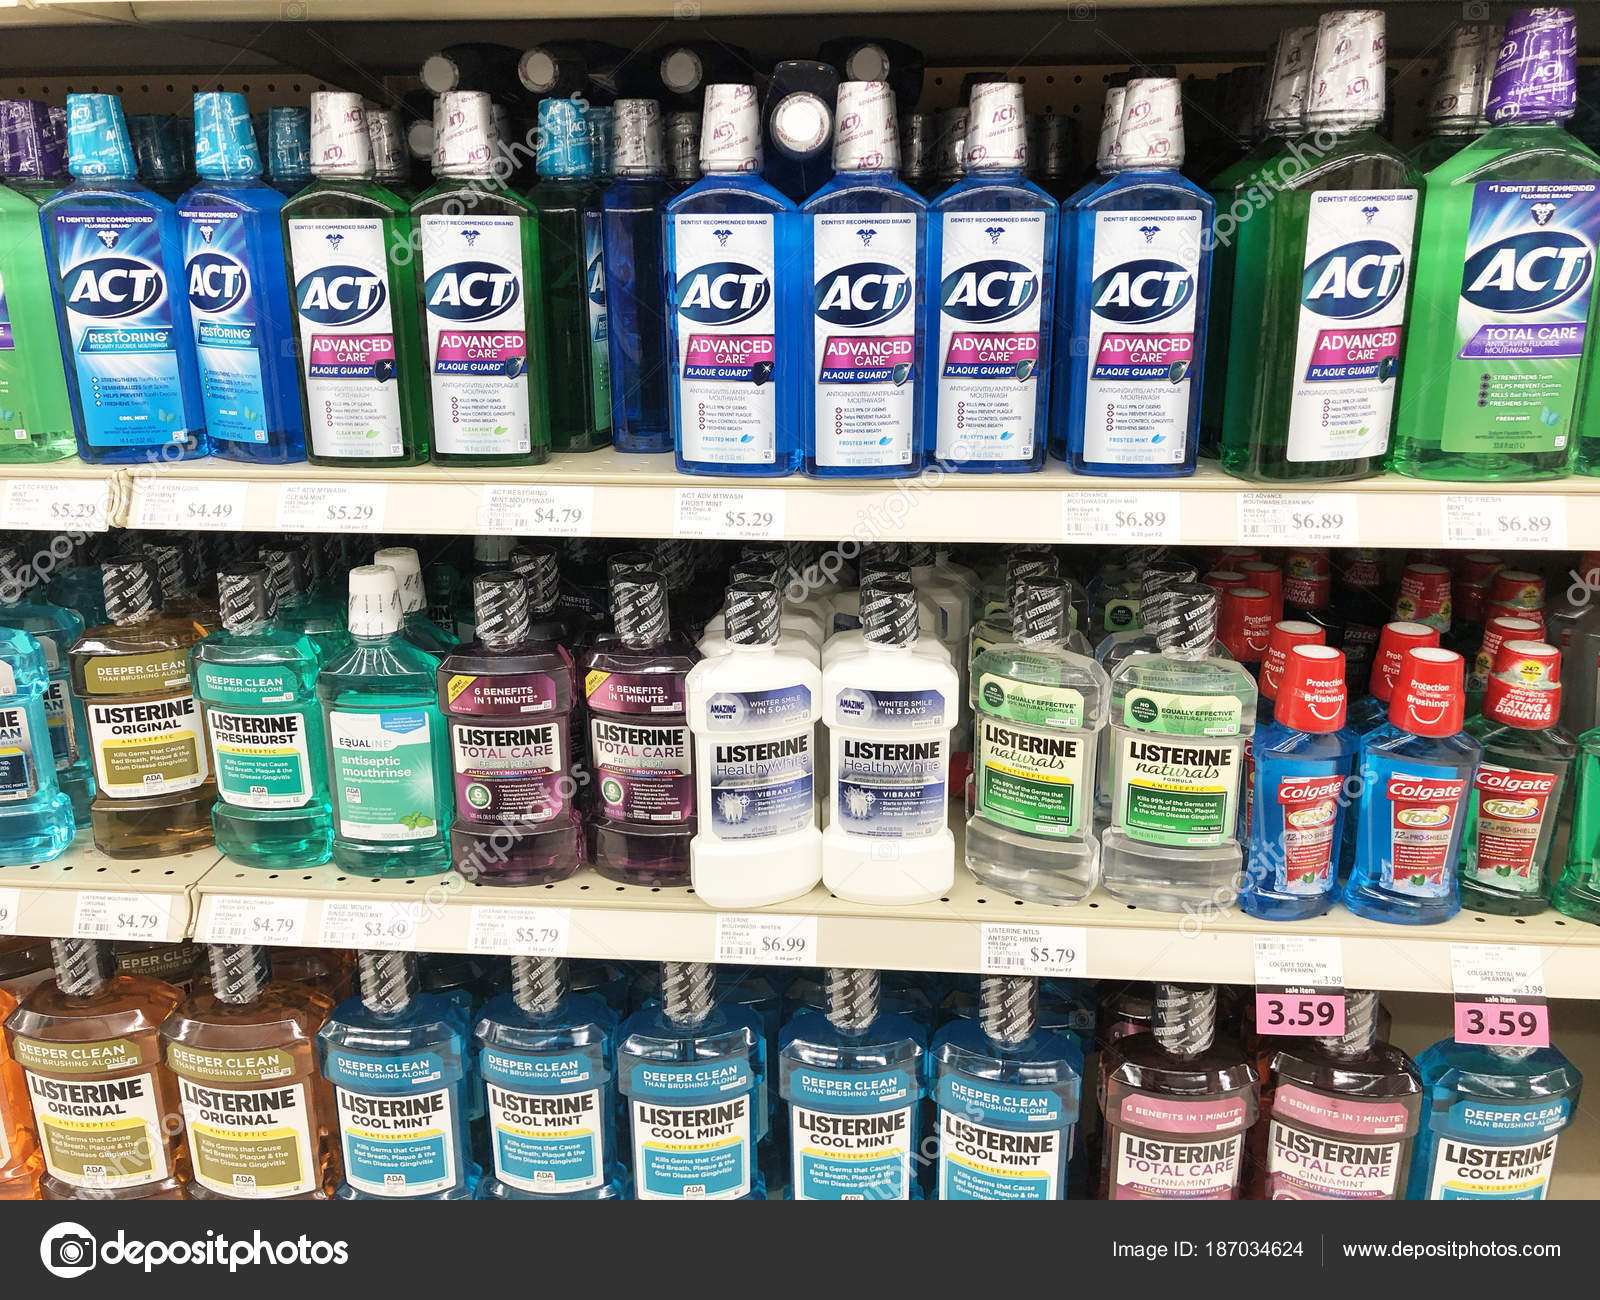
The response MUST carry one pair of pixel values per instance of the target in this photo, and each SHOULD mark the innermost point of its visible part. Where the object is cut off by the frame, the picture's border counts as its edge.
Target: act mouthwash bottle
(1504, 297)
(1456, 110)
(1320, 279)
(289, 149)
(36, 817)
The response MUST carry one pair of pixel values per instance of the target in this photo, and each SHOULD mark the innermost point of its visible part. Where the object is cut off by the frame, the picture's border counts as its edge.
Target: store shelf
(62, 496)
(83, 892)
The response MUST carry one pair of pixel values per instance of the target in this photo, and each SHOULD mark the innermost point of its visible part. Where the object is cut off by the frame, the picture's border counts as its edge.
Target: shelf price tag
(1299, 985)
(1534, 522)
(1299, 518)
(1123, 517)
(360, 923)
(332, 507)
(525, 510)
(519, 931)
(10, 907)
(41, 503)
(767, 940)
(185, 503)
(1051, 951)
(748, 514)
(240, 918)
(121, 916)
(1500, 999)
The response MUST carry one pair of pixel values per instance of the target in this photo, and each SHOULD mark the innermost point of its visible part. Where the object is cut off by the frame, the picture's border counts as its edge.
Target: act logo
(68, 1250)
(988, 291)
(723, 293)
(216, 282)
(471, 291)
(1527, 272)
(1354, 280)
(1141, 291)
(108, 287)
(862, 294)
(340, 295)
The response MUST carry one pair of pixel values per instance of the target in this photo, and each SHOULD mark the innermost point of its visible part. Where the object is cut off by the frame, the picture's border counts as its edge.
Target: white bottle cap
(408, 573)
(866, 136)
(388, 144)
(1105, 154)
(681, 70)
(375, 600)
(801, 123)
(730, 130)
(419, 139)
(463, 128)
(636, 138)
(1462, 85)
(997, 137)
(340, 145)
(867, 62)
(1151, 134)
(1291, 71)
(1347, 76)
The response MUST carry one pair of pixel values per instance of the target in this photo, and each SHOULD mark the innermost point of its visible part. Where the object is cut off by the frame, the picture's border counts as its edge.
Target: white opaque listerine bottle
(753, 712)
(889, 712)
(847, 634)
(1183, 720)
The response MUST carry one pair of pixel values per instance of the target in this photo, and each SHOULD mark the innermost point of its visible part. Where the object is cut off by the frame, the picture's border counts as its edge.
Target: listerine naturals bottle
(992, 243)
(358, 333)
(1504, 292)
(737, 308)
(1141, 275)
(691, 1071)
(36, 817)
(1007, 1095)
(482, 299)
(866, 239)
(1460, 93)
(117, 261)
(388, 755)
(1320, 279)
(851, 1074)
(547, 1056)
(260, 1119)
(257, 683)
(417, 625)
(1182, 722)
(398, 1062)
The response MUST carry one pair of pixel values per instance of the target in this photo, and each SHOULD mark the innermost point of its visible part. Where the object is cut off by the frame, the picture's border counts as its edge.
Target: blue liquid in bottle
(289, 149)
(36, 819)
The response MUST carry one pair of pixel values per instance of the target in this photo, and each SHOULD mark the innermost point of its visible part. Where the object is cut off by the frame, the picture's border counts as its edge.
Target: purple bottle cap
(997, 136)
(29, 147)
(1535, 78)
(1347, 76)
(1151, 133)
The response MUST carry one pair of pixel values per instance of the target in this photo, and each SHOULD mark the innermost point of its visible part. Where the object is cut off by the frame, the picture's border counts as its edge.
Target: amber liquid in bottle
(19, 1150)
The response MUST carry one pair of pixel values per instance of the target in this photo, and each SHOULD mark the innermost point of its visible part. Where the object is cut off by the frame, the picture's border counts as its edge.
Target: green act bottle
(358, 330)
(1577, 892)
(1455, 113)
(1504, 303)
(1319, 292)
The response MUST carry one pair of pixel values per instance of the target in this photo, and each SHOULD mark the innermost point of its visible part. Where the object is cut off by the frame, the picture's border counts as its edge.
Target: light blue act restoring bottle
(737, 305)
(992, 247)
(36, 822)
(289, 149)
(1140, 273)
(866, 237)
(118, 261)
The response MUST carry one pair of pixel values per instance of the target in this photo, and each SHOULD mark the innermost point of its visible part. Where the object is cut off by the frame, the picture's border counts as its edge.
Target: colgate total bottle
(1372, 711)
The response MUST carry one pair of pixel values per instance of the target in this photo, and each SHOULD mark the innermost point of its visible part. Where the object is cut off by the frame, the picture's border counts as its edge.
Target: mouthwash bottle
(1577, 891)
(116, 259)
(1324, 264)
(1504, 295)
(851, 1074)
(391, 155)
(992, 243)
(1416, 772)
(299, 608)
(1370, 712)
(88, 1041)
(20, 1162)
(289, 149)
(507, 700)
(158, 153)
(398, 1062)
(737, 309)
(1141, 272)
(257, 682)
(547, 1056)
(1006, 1096)
(358, 330)
(1176, 1105)
(691, 1071)
(152, 765)
(1491, 1122)
(259, 1117)
(388, 755)
(1456, 112)
(481, 300)
(36, 815)
(417, 626)
(866, 239)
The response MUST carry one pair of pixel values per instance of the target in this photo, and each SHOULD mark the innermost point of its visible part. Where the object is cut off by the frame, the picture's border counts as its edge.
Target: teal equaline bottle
(691, 1071)
(1460, 94)
(398, 1062)
(736, 305)
(548, 1060)
(117, 261)
(36, 815)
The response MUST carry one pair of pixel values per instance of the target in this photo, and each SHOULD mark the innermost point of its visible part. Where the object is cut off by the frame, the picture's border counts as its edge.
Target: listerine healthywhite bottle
(853, 640)
(753, 712)
(889, 713)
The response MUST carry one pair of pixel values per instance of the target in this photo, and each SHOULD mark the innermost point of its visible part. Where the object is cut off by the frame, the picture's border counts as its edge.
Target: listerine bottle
(20, 1161)
(1457, 107)
(417, 627)
(300, 609)
(1505, 281)
(691, 1071)
(289, 149)
(398, 1062)
(36, 815)
(851, 1074)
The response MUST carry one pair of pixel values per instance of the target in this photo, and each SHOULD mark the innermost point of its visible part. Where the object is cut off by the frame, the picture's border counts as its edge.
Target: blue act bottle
(866, 237)
(117, 256)
(36, 821)
(736, 305)
(289, 149)
(992, 247)
(1140, 272)
(238, 291)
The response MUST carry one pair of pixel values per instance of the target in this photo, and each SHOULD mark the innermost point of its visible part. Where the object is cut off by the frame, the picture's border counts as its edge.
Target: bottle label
(383, 775)
(761, 788)
(599, 326)
(1521, 317)
(165, 670)
(1309, 805)
(1423, 815)
(1512, 807)
(691, 1129)
(645, 770)
(58, 718)
(991, 289)
(19, 777)
(1141, 348)
(864, 330)
(263, 759)
(1033, 703)
(248, 1143)
(118, 309)
(651, 693)
(1182, 715)
(547, 1120)
(893, 789)
(347, 346)
(1000, 1142)
(726, 337)
(1483, 1150)
(1162, 1167)
(398, 1123)
(99, 1133)
(228, 334)
(853, 1134)
(1328, 1148)
(509, 774)
(870, 710)
(149, 748)
(758, 710)
(1177, 792)
(1030, 778)
(247, 685)
(1350, 325)
(514, 695)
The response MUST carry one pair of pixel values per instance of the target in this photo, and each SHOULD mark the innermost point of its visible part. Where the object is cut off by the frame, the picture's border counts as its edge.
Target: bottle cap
(730, 130)
(1346, 90)
(539, 567)
(639, 608)
(1033, 128)
(1185, 1019)
(290, 568)
(753, 571)
(951, 159)
(1020, 567)
(1525, 690)
(407, 575)
(224, 143)
(439, 74)
(1308, 580)
(1516, 589)
(155, 148)
(1043, 614)
(340, 145)
(1496, 632)
(919, 555)
(1267, 577)
(1362, 568)
(916, 146)
(463, 127)
(682, 70)
(419, 139)
(289, 144)
(601, 121)
(1533, 616)
(1424, 596)
(1183, 619)
(1478, 566)
(1393, 642)
(1246, 622)
(638, 147)
(375, 599)
(889, 612)
(1535, 76)
(801, 123)
(1151, 131)
(683, 147)
(1462, 86)
(500, 601)
(563, 139)
(1291, 71)
(865, 136)
(1059, 145)
(624, 564)
(1223, 579)
(539, 70)
(1162, 573)
(131, 588)
(752, 614)
(1105, 154)
(675, 560)
(492, 549)
(247, 596)
(1314, 696)
(997, 138)
(29, 148)
(390, 154)
(1429, 695)
(867, 62)
(97, 139)
(171, 568)
(1285, 636)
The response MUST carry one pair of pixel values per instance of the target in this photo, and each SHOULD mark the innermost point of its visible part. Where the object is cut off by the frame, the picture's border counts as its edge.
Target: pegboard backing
(159, 92)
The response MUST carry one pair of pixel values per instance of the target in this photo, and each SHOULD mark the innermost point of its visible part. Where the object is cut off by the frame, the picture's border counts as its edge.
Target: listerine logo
(1353, 280)
(723, 293)
(1527, 272)
(113, 286)
(216, 282)
(597, 280)
(471, 291)
(861, 294)
(1149, 289)
(339, 295)
(988, 291)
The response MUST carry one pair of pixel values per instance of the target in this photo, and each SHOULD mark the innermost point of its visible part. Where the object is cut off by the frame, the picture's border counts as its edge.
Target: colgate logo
(1405, 789)
(1307, 789)
(1507, 782)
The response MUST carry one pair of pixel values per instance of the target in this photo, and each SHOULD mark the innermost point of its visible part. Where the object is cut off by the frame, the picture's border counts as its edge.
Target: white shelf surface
(85, 892)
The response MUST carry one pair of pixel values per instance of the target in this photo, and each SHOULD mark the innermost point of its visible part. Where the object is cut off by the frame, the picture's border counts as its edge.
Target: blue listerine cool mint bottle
(118, 259)
(737, 306)
(866, 239)
(992, 244)
(36, 817)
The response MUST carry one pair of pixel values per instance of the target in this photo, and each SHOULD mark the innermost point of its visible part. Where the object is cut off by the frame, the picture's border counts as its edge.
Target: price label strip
(751, 515)
(1500, 998)
(358, 923)
(1299, 986)
(767, 940)
(10, 908)
(520, 510)
(122, 916)
(39, 503)
(166, 502)
(239, 918)
(1052, 951)
(332, 507)
(1125, 517)
(1536, 522)
(519, 931)
(1299, 518)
